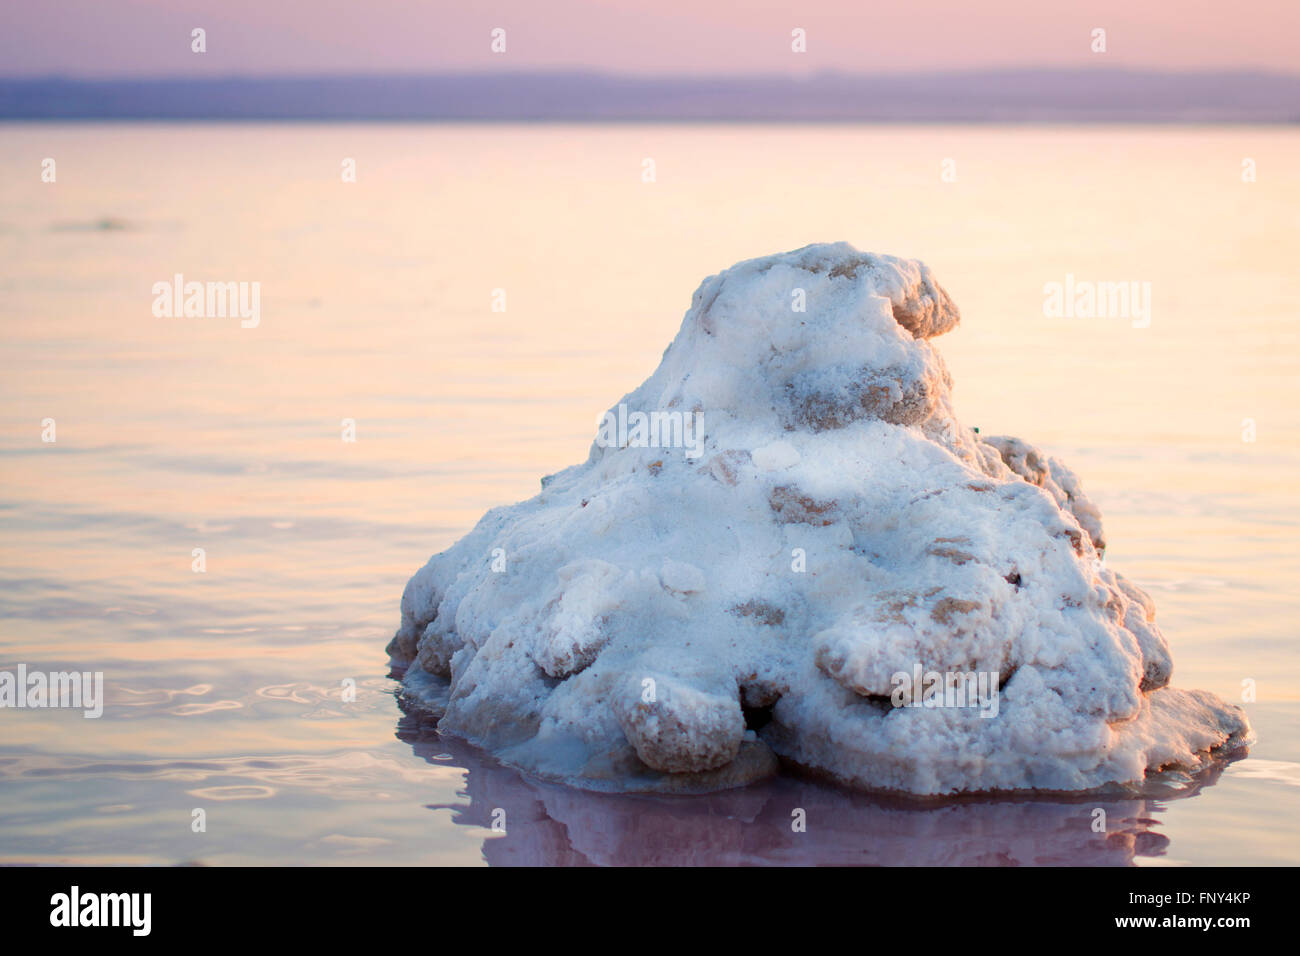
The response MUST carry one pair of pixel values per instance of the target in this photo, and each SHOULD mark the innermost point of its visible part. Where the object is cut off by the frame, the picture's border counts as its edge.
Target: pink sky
(143, 37)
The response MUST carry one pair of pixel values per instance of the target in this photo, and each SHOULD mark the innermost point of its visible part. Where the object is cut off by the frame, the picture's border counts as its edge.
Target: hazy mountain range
(1087, 95)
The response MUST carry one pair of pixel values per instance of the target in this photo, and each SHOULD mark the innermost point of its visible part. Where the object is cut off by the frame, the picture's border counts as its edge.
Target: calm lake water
(224, 688)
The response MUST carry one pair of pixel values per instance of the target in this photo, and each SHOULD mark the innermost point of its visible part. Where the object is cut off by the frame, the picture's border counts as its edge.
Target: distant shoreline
(1088, 96)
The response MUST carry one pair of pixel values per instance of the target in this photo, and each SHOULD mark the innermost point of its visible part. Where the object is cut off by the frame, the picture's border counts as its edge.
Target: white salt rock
(668, 621)
(776, 456)
(681, 578)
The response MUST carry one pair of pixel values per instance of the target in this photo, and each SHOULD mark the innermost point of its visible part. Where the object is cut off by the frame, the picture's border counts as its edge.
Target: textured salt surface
(676, 618)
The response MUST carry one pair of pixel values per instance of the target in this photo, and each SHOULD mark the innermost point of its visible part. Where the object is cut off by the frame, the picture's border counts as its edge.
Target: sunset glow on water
(175, 434)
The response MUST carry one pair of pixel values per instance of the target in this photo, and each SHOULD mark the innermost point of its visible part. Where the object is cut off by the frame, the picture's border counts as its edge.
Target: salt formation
(658, 619)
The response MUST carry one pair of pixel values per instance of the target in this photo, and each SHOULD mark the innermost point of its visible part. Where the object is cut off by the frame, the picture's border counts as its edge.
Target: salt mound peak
(783, 544)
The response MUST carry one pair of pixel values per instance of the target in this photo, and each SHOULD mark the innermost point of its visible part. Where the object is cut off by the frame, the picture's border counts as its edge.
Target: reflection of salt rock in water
(669, 618)
(787, 821)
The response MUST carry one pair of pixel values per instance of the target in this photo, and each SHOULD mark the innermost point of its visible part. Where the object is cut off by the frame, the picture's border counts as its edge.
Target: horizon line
(830, 72)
